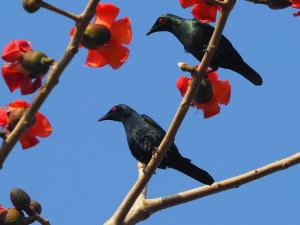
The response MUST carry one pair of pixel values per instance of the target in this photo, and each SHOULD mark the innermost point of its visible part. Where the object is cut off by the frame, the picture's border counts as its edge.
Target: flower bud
(13, 217)
(20, 199)
(13, 118)
(36, 62)
(35, 207)
(204, 92)
(278, 4)
(95, 35)
(31, 6)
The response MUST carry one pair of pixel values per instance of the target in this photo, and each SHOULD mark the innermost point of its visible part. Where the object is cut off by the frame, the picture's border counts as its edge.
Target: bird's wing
(149, 120)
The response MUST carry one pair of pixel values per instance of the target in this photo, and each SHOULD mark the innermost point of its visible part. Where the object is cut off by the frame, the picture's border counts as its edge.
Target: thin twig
(33, 218)
(154, 205)
(127, 203)
(52, 80)
(59, 11)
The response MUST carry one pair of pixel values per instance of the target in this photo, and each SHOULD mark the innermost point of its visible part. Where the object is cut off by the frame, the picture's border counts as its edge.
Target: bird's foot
(210, 71)
(146, 168)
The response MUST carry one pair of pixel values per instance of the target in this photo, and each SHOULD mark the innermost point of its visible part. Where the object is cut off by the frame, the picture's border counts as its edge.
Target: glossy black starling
(195, 37)
(144, 136)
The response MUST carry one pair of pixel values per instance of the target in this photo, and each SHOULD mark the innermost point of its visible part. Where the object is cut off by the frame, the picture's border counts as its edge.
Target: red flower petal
(205, 13)
(95, 59)
(11, 76)
(297, 14)
(114, 53)
(72, 32)
(106, 13)
(121, 31)
(188, 3)
(183, 84)
(41, 127)
(27, 86)
(295, 3)
(28, 141)
(3, 212)
(222, 91)
(3, 121)
(14, 49)
(18, 104)
(211, 108)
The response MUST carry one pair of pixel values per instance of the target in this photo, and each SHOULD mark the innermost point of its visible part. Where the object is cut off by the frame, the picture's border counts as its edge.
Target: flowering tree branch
(124, 208)
(150, 206)
(55, 73)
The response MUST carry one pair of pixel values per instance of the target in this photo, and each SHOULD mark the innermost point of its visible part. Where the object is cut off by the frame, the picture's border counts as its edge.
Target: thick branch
(52, 80)
(125, 206)
(153, 205)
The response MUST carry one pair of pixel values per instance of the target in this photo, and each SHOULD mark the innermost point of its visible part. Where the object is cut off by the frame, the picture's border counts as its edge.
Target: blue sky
(82, 172)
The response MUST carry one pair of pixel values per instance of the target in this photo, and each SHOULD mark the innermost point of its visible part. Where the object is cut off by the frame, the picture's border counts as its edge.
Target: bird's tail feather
(250, 74)
(185, 166)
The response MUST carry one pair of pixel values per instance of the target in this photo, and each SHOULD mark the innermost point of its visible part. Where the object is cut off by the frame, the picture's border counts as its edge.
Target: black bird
(144, 136)
(195, 37)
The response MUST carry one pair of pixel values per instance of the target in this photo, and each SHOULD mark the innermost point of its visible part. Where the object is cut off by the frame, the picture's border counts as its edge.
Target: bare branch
(59, 11)
(127, 203)
(153, 205)
(52, 80)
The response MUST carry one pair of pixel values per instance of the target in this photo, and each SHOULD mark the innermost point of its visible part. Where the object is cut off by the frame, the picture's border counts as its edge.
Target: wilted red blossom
(119, 33)
(10, 116)
(202, 11)
(221, 93)
(13, 73)
(296, 4)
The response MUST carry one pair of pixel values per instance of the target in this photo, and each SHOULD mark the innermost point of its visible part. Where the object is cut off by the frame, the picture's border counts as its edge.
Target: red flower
(108, 47)
(202, 11)
(14, 74)
(296, 4)
(221, 91)
(9, 118)
(3, 212)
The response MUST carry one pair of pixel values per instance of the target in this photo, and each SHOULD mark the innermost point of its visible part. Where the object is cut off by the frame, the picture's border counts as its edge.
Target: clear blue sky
(83, 170)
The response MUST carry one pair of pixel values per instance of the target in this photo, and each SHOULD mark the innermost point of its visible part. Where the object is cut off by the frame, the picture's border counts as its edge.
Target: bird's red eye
(161, 20)
(114, 109)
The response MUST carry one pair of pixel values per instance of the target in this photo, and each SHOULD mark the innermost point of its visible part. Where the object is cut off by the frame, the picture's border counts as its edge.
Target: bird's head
(117, 113)
(165, 23)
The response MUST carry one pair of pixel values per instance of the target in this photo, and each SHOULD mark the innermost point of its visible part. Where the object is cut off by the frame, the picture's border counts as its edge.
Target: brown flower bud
(13, 217)
(95, 35)
(204, 92)
(36, 62)
(20, 199)
(35, 207)
(31, 6)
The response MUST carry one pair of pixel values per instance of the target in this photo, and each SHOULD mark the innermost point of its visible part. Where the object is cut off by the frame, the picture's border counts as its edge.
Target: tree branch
(127, 203)
(52, 80)
(59, 11)
(153, 205)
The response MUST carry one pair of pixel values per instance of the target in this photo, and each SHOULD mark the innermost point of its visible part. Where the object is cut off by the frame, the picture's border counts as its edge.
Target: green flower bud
(95, 35)
(204, 92)
(20, 199)
(36, 62)
(31, 6)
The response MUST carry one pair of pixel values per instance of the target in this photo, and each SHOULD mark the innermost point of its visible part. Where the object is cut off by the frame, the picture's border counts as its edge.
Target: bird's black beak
(151, 31)
(105, 117)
